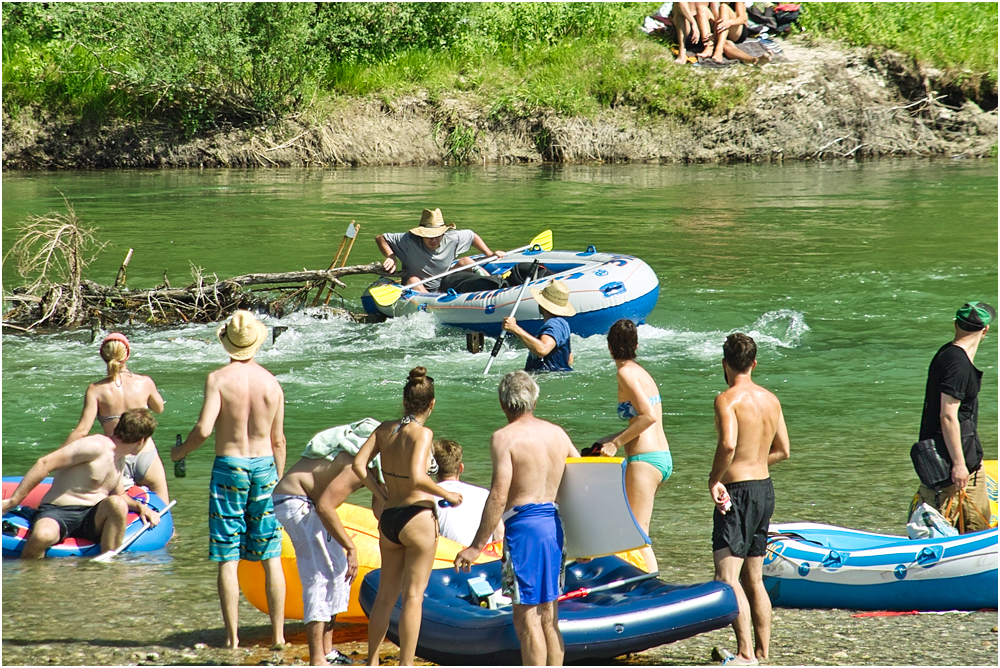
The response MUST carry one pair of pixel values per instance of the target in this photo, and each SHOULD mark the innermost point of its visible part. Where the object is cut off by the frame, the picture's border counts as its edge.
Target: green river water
(847, 275)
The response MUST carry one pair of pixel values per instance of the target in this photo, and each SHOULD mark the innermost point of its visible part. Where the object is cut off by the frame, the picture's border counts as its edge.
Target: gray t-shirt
(420, 262)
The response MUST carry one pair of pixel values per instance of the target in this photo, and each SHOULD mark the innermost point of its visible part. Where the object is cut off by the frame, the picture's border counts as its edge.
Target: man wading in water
(529, 458)
(245, 406)
(752, 436)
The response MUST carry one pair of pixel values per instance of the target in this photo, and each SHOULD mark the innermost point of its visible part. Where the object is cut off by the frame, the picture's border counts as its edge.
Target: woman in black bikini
(408, 531)
(107, 399)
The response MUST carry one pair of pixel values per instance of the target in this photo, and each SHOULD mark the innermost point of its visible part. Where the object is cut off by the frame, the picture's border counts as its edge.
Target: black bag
(523, 271)
(467, 281)
(933, 470)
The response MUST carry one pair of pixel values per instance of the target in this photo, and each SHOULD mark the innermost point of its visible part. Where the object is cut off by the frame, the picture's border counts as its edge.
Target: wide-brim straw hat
(555, 299)
(243, 335)
(431, 225)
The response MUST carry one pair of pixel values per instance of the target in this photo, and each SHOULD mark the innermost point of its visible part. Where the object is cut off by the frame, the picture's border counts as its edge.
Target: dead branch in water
(53, 251)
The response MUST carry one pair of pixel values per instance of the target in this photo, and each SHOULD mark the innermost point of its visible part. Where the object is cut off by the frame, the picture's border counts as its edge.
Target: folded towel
(344, 438)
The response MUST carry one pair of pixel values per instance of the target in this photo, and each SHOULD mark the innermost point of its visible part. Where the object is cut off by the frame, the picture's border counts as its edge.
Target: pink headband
(117, 336)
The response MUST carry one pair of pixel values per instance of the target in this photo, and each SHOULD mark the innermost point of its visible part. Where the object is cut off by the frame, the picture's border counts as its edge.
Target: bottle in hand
(180, 466)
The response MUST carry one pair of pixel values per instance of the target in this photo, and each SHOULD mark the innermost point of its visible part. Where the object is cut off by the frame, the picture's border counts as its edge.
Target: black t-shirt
(954, 374)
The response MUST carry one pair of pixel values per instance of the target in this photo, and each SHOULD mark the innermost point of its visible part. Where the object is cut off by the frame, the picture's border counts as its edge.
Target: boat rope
(872, 569)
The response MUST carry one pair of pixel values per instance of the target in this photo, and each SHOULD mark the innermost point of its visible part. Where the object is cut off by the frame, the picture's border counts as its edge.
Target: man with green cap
(951, 413)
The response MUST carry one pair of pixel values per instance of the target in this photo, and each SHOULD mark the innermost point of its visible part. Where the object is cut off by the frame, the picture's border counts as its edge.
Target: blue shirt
(558, 359)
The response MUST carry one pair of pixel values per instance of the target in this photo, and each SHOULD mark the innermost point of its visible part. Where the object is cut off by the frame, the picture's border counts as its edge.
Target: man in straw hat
(550, 350)
(951, 414)
(245, 406)
(429, 249)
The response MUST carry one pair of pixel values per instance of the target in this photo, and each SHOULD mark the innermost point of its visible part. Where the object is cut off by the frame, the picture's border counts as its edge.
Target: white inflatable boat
(604, 288)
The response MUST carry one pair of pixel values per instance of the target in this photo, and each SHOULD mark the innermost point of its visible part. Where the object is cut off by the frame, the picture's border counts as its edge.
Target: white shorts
(321, 560)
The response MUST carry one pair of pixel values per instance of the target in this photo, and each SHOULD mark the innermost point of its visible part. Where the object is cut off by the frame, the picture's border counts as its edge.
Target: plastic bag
(926, 522)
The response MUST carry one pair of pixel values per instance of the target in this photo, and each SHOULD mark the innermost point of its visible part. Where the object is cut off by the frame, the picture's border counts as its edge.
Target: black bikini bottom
(394, 519)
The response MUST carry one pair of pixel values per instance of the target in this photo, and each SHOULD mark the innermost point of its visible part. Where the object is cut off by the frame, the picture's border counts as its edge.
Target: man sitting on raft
(529, 458)
(87, 499)
(428, 250)
(550, 350)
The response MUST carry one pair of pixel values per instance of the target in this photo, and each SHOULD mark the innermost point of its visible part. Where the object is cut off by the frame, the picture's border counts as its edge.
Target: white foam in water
(781, 329)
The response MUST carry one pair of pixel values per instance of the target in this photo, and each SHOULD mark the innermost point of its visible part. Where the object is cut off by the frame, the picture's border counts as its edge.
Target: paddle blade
(544, 240)
(385, 295)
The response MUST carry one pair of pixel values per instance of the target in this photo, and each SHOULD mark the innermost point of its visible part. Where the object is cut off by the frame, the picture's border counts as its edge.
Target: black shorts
(74, 521)
(743, 529)
(744, 33)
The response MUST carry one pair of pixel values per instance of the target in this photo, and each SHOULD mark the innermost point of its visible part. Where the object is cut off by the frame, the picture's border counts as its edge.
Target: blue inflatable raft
(599, 626)
(820, 566)
(15, 526)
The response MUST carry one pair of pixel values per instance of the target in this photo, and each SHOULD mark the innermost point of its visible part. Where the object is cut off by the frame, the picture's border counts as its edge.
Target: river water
(847, 275)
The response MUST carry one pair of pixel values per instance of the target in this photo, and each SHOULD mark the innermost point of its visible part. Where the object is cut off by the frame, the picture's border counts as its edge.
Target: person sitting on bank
(428, 250)
(86, 499)
(459, 523)
(107, 399)
(550, 350)
(950, 416)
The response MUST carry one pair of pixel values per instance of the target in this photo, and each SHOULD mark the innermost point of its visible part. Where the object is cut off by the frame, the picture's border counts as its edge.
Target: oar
(111, 554)
(503, 334)
(580, 593)
(387, 295)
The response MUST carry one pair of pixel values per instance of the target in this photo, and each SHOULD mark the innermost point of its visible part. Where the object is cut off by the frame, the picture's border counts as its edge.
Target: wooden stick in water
(352, 231)
(120, 278)
(319, 293)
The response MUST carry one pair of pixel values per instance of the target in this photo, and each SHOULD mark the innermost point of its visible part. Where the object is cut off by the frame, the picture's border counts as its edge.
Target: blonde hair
(114, 353)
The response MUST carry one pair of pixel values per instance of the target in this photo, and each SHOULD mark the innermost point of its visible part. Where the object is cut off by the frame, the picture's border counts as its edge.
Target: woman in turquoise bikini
(646, 448)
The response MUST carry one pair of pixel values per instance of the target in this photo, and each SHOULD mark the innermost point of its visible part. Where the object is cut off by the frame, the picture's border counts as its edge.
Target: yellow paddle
(387, 295)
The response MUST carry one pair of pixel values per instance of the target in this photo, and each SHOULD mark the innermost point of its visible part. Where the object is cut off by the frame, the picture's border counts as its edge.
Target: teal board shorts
(662, 460)
(241, 521)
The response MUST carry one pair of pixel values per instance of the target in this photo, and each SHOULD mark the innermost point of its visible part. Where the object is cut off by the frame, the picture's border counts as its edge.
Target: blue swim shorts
(532, 569)
(241, 521)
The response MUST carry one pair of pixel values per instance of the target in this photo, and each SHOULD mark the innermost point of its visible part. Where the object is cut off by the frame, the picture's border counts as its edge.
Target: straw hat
(555, 299)
(243, 335)
(431, 225)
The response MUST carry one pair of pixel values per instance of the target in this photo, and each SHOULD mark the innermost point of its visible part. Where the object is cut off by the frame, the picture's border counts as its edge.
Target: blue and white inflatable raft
(15, 526)
(599, 626)
(604, 288)
(821, 566)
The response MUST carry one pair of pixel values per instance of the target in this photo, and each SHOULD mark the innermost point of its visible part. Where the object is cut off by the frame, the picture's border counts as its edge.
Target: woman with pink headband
(118, 392)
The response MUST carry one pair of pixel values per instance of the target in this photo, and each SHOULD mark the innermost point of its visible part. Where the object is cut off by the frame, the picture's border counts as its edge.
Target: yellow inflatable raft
(362, 527)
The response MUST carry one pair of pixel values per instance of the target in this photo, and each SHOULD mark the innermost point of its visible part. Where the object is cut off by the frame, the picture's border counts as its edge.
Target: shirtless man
(86, 499)
(752, 436)
(306, 501)
(529, 457)
(245, 406)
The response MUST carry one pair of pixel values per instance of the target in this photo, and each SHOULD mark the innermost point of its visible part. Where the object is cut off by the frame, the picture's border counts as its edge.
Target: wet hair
(115, 353)
(449, 457)
(623, 340)
(135, 425)
(518, 393)
(739, 351)
(419, 391)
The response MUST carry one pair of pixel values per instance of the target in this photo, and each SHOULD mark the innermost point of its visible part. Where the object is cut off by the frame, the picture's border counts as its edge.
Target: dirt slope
(824, 102)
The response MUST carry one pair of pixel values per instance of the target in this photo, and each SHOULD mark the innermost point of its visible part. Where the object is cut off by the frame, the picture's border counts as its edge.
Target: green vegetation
(948, 35)
(203, 66)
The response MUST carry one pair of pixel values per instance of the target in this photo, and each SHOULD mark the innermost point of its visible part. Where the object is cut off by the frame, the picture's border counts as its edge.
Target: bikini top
(626, 411)
(104, 419)
(431, 470)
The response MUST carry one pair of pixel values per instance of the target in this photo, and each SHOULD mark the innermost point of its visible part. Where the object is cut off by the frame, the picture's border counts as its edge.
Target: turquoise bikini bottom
(662, 460)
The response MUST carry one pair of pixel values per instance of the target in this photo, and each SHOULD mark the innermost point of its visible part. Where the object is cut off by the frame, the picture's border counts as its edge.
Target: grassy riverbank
(188, 71)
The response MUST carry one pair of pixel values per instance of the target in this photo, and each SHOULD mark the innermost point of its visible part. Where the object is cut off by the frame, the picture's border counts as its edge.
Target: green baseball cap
(974, 316)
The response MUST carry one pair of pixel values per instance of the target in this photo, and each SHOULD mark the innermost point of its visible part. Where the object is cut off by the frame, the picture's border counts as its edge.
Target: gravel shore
(801, 637)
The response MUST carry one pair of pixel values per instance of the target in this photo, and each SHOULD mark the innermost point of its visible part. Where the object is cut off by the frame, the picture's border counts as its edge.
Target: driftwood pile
(53, 251)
